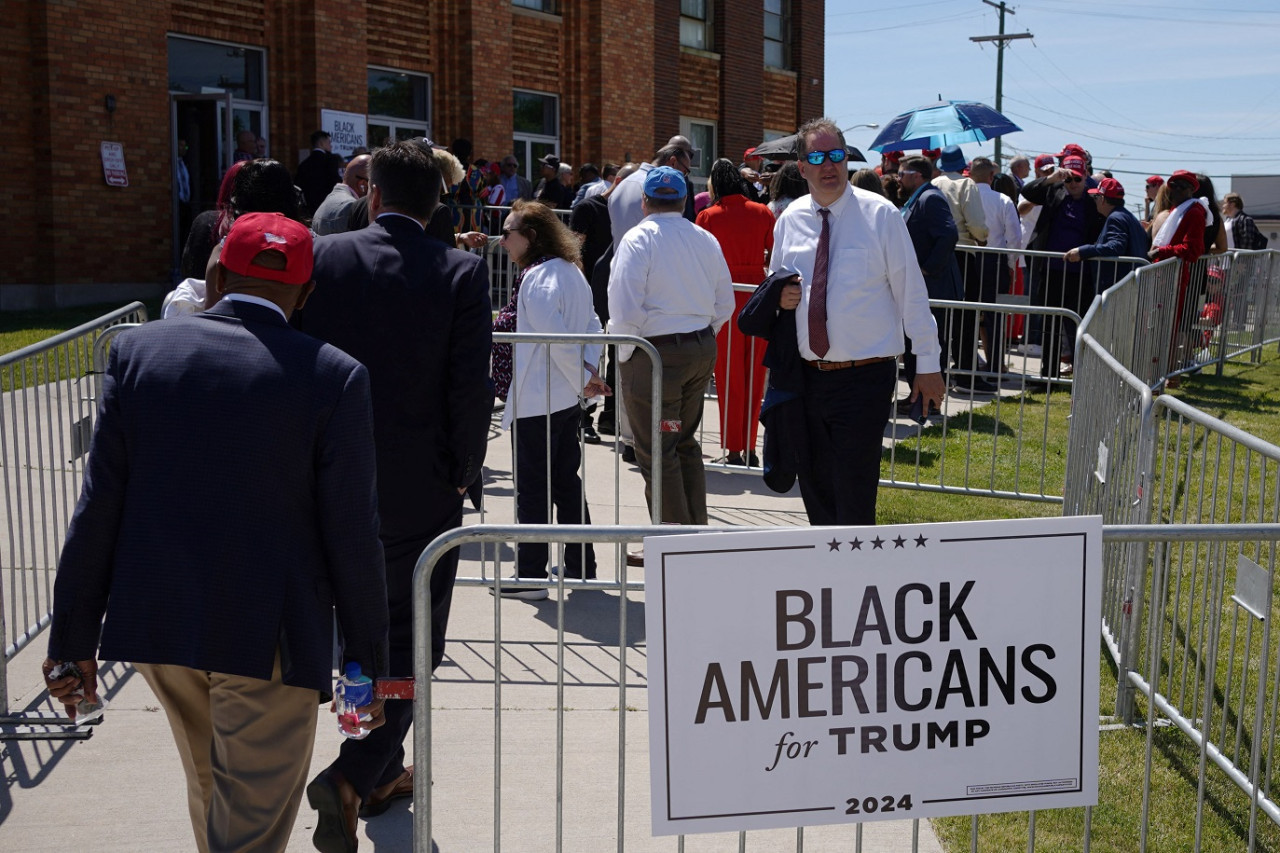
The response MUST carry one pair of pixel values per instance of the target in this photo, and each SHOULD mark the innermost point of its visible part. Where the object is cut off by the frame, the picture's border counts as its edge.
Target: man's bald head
(682, 142)
(356, 175)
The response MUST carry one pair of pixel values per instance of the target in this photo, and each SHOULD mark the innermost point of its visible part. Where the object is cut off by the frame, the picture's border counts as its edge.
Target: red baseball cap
(931, 153)
(749, 154)
(1071, 150)
(1108, 188)
(1155, 181)
(894, 156)
(1189, 177)
(254, 233)
(1076, 165)
(1043, 161)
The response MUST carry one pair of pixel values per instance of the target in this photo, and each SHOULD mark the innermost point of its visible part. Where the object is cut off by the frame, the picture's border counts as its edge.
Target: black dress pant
(379, 758)
(534, 470)
(845, 413)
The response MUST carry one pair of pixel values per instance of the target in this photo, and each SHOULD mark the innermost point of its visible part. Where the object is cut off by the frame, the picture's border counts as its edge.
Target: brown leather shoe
(336, 804)
(380, 799)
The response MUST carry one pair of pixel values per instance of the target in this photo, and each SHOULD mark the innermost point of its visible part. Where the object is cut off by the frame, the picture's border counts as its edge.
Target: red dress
(744, 230)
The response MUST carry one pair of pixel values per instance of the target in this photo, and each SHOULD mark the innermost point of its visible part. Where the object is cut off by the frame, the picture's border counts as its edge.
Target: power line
(1085, 133)
(1158, 132)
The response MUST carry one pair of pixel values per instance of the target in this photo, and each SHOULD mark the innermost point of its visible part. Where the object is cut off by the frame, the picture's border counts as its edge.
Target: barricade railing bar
(541, 352)
(1187, 620)
(47, 411)
(1158, 536)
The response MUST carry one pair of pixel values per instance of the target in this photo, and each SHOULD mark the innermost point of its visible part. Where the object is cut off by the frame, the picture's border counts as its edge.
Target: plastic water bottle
(354, 690)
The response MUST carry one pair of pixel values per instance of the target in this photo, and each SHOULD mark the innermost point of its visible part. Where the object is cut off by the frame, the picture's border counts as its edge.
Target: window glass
(776, 24)
(540, 5)
(199, 66)
(535, 114)
(399, 95)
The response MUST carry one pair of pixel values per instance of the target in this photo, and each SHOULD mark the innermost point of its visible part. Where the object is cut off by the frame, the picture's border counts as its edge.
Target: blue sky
(1146, 86)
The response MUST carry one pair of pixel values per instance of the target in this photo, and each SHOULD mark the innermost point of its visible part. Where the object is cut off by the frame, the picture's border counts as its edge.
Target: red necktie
(818, 291)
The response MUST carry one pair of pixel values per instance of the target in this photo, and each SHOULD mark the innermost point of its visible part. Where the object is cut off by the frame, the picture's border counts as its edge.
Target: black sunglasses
(1074, 179)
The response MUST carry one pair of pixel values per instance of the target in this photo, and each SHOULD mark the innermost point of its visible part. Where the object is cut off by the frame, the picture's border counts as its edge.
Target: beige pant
(245, 746)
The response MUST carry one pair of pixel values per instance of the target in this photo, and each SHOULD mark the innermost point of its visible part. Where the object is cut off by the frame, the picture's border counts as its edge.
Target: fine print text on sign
(839, 675)
(113, 168)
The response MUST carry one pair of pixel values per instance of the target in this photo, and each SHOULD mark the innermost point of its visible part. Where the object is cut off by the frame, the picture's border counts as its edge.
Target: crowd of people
(351, 364)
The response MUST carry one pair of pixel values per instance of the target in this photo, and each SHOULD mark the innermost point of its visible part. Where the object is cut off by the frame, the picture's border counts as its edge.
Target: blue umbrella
(942, 124)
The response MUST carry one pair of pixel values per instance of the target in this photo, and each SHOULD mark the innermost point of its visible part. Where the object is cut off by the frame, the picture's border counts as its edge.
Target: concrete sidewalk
(123, 789)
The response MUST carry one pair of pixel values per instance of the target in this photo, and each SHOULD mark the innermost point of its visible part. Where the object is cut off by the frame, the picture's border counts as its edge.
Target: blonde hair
(450, 167)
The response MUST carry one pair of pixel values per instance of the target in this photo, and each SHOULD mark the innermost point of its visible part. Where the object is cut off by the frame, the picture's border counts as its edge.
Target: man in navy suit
(417, 314)
(227, 611)
(1122, 235)
(933, 236)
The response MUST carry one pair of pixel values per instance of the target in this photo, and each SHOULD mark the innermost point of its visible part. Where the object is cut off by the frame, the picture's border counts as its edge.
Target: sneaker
(636, 558)
(571, 575)
(524, 593)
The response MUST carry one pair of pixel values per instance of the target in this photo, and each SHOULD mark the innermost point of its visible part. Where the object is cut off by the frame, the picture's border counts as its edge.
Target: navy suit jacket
(229, 505)
(417, 314)
(934, 234)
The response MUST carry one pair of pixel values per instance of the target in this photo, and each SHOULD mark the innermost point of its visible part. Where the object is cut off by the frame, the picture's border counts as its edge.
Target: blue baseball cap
(664, 182)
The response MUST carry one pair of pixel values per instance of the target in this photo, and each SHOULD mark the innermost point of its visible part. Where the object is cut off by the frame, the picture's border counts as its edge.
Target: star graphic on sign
(856, 544)
(899, 542)
(878, 542)
(920, 540)
(834, 544)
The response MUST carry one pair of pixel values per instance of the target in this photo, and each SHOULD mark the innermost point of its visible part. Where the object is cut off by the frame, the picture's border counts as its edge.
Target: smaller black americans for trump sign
(839, 675)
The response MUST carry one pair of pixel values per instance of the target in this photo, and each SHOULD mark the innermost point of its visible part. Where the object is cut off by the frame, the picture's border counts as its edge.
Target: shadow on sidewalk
(28, 762)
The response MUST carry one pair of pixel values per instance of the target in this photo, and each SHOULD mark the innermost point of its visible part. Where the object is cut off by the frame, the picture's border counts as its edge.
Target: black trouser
(985, 276)
(533, 466)
(845, 415)
(379, 758)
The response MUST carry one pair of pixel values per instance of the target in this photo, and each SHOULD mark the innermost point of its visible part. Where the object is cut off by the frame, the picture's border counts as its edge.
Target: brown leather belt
(660, 340)
(841, 365)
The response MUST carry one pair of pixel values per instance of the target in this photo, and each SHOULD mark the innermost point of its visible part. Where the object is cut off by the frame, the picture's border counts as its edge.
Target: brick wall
(739, 27)
(617, 67)
(779, 101)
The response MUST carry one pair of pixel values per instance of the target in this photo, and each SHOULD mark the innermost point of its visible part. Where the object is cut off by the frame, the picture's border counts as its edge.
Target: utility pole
(1001, 40)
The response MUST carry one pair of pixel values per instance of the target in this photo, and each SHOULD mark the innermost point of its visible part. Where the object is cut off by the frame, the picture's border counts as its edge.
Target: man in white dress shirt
(670, 284)
(853, 292)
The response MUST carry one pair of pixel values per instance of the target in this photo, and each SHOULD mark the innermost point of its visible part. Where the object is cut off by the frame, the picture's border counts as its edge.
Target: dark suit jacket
(316, 176)
(1051, 196)
(782, 413)
(416, 313)
(934, 234)
(228, 506)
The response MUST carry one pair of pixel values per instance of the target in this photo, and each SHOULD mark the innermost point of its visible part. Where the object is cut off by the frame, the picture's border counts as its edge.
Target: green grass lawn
(1247, 396)
(21, 329)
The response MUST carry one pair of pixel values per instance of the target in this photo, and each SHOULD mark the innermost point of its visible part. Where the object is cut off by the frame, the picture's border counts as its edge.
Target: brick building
(590, 80)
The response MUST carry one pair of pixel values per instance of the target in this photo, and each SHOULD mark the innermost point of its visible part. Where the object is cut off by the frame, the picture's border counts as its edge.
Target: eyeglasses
(817, 158)
(509, 231)
(1074, 179)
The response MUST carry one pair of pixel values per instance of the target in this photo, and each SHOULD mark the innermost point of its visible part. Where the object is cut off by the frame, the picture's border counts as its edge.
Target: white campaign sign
(835, 675)
(346, 130)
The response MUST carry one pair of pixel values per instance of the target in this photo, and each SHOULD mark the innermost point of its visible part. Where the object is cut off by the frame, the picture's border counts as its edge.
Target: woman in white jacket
(548, 380)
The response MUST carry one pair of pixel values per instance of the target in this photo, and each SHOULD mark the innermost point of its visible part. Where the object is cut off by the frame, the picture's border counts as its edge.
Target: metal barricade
(609, 342)
(597, 805)
(47, 412)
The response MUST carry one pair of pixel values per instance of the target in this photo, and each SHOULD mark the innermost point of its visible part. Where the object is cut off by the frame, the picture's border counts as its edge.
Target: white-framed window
(702, 133)
(695, 24)
(535, 128)
(399, 106)
(777, 33)
(202, 67)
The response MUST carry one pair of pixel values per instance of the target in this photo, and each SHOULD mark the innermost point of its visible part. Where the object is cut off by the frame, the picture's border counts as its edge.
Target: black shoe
(572, 574)
(734, 458)
(589, 435)
(605, 426)
(753, 460)
(628, 454)
(976, 385)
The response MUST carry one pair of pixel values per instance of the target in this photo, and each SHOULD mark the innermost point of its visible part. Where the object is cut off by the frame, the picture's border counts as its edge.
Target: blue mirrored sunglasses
(817, 158)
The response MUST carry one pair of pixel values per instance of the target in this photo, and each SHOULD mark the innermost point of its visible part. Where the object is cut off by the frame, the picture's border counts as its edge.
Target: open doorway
(203, 141)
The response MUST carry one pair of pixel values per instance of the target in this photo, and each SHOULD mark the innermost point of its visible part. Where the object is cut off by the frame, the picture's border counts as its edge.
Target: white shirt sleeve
(628, 281)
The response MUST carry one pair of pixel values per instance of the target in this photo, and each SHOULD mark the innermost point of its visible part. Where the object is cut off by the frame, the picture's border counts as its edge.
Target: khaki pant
(687, 365)
(245, 746)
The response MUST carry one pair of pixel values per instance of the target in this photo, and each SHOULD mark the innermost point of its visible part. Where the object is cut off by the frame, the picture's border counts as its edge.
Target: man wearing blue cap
(670, 284)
